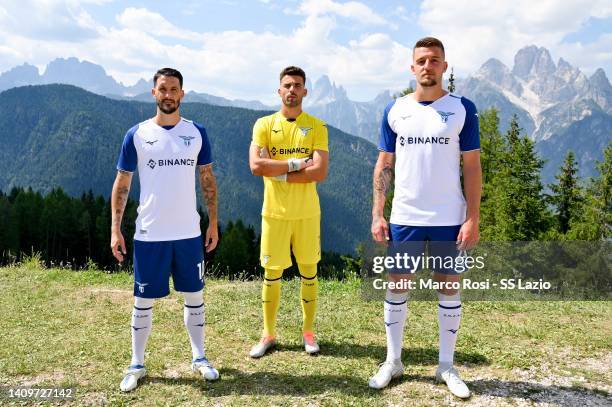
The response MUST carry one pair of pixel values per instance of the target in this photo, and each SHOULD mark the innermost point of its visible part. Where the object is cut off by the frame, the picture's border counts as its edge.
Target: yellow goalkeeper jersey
(285, 139)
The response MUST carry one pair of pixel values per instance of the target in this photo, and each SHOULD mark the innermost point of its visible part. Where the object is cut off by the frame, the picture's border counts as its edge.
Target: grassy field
(71, 329)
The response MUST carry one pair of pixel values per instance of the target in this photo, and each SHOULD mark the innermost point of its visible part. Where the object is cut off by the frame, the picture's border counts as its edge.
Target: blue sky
(235, 48)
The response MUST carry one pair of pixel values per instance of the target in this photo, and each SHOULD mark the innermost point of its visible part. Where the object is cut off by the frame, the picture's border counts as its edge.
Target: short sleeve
(205, 154)
(321, 138)
(469, 138)
(387, 135)
(128, 158)
(260, 133)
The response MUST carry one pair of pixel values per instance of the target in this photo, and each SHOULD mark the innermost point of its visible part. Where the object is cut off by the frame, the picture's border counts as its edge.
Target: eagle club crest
(187, 139)
(305, 130)
(444, 115)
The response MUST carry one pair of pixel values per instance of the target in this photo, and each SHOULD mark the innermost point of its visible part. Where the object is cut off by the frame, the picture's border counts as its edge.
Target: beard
(296, 101)
(429, 82)
(168, 109)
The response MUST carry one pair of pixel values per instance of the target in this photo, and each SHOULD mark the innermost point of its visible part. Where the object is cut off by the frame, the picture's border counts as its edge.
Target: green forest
(74, 232)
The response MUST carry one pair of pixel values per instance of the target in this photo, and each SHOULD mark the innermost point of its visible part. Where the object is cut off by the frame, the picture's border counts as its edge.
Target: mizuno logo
(137, 328)
(391, 323)
(445, 115)
(306, 301)
(266, 302)
(202, 324)
(151, 142)
(453, 330)
(187, 140)
(276, 131)
(405, 117)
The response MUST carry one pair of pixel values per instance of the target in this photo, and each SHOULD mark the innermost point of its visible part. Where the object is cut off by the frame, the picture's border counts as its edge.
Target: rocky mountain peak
(533, 61)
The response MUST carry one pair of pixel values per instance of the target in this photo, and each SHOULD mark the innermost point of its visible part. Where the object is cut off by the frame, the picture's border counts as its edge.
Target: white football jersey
(428, 139)
(166, 158)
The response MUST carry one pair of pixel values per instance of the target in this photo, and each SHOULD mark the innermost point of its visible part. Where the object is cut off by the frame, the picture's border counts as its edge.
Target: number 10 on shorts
(201, 270)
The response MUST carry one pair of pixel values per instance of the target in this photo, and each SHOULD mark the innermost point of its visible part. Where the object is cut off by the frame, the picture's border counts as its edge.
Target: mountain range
(63, 136)
(557, 105)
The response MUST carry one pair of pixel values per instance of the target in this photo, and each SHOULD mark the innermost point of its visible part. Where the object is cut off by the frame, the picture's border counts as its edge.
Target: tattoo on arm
(121, 191)
(208, 184)
(381, 183)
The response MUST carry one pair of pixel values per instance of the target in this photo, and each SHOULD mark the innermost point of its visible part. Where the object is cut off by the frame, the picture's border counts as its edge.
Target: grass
(71, 329)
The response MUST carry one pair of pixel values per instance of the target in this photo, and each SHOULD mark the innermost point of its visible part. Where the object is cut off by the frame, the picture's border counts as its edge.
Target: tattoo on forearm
(209, 190)
(120, 198)
(381, 183)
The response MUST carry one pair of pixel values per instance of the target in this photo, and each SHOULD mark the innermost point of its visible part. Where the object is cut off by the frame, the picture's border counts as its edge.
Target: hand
(468, 235)
(297, 164)
(118, 245)
(380, 229)
(212, 238)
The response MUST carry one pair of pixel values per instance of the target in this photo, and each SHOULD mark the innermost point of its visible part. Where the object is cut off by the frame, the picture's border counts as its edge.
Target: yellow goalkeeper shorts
(279, 237)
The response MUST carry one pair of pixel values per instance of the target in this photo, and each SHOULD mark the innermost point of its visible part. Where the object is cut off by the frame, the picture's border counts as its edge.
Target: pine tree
(567, 195)
(493, 150)
(595, 219)
(451, 82)
(521, 211)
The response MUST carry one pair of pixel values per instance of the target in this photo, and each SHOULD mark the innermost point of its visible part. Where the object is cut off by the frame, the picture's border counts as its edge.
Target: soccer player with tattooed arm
(428, 139)
(168, 151)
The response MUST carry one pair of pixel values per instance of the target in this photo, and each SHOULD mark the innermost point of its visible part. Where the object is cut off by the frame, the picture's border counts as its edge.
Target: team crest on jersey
(305, 130)
(445, 115)
(141, 286)
(187, 139)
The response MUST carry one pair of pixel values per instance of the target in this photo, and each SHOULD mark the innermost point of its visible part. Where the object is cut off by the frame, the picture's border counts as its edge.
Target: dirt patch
(29, 381)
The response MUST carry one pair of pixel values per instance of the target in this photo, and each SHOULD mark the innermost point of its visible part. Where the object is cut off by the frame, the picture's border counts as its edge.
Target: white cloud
(352, 10)
(152, 23)
(474, 30)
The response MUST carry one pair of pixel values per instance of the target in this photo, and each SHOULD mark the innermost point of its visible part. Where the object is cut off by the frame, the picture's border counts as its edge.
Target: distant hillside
(61, 135)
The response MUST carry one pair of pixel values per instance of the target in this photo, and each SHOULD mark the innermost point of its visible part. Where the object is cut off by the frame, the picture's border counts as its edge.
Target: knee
(308, 271)
(194, 299)
(273, 275)
(140, 302)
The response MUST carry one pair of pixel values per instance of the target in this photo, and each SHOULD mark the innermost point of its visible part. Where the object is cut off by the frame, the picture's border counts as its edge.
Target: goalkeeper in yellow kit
(289, 149)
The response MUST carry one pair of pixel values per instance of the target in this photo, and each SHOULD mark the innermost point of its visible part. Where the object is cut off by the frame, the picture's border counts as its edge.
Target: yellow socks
(270, 296)
(308, 295)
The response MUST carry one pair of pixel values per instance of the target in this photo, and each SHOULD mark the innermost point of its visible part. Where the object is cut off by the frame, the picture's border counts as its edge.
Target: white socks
(396, 311)
(142, 319)
(449, 317)
(194, 322)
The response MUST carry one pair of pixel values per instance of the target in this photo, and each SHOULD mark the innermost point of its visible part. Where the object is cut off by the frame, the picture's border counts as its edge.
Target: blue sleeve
(469, 138)
(387, 135)
(128, 158)
(205, 154)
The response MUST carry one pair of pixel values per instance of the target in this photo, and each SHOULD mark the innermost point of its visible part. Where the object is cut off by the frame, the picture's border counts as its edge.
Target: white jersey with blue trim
(166, 158)
(428, 139)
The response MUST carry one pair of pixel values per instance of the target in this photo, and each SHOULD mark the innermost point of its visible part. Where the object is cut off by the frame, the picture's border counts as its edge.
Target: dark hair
(293, 71)
(429, 42)
(168, 72)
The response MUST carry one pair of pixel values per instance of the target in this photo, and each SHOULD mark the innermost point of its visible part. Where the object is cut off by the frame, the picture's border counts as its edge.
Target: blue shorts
(155, 262)
(441, 244)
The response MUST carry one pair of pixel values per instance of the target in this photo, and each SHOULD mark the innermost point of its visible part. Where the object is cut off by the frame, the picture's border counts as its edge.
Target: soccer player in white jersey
(167, 150)
(424, 137)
